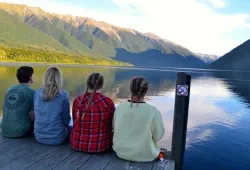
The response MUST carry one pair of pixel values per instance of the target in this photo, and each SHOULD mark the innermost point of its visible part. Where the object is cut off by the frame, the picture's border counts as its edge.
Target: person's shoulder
(24, 88)
(123, 103)
(37, 93)
(78, 98)
(38, 90)
(64, 93)
(14, 87)
(106, 97)
(31, 90)
(10, 88)
(152, 108)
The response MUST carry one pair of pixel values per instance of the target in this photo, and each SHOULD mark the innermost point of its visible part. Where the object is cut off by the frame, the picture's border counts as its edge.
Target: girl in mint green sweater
(137, 126)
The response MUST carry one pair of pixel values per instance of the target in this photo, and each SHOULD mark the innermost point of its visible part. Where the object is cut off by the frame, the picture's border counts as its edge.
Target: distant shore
(167, 69)
(58, 64)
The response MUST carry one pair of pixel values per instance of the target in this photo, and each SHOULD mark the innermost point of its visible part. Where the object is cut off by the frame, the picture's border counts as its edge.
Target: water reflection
(218, 113)
(218, 129)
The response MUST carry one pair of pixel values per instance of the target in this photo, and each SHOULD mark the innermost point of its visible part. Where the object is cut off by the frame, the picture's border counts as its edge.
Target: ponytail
(94, 82)
(138, 87)
(92, 95)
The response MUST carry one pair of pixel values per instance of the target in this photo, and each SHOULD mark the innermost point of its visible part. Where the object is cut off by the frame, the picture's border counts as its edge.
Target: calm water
(219, 116)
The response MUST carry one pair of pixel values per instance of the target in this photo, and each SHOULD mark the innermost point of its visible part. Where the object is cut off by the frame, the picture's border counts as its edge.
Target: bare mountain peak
(23, 10)
(156, 37)
(208, 58)
(36, 9)
(152, 35)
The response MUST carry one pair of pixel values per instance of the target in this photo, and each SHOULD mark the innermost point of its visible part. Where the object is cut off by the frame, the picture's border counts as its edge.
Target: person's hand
(32, 116)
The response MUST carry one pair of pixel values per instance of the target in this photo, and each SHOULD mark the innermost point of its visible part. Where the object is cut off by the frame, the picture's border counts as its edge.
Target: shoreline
(59, 64)
(9, 64)
(148, 68)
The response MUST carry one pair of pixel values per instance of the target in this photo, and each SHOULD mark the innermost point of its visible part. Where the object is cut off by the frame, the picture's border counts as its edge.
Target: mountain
(85, 36)
(156, 58)
(13, 31)
(237, 59)
(207, 58)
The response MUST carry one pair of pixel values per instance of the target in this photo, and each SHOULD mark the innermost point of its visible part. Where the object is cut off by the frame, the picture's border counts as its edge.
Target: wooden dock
(27, 154)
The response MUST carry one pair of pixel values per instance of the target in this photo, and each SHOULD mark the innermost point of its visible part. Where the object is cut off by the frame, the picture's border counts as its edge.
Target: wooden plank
(96, 162)
(59, 154)
(74, 161)
(17, 151)
(117, 163)
(164, 165)
(11, 144)
(141, 165)
(3, 139)
(30, 158)
(26, 153)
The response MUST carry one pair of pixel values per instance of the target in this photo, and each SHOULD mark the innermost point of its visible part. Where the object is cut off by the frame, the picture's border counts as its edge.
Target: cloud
(191, 23)
(217, 3)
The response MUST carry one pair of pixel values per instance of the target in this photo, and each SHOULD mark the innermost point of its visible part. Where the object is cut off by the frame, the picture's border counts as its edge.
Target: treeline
(10, 54)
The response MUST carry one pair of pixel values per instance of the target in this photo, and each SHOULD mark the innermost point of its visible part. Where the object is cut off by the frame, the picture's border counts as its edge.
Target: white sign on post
(182, 90)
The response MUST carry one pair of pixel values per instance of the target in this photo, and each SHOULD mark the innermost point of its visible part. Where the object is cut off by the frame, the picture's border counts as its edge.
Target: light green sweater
(137, 131)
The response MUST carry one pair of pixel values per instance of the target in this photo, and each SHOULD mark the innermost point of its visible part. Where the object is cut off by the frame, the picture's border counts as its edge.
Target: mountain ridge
(82, 35)
(208, 58)
(237, 59)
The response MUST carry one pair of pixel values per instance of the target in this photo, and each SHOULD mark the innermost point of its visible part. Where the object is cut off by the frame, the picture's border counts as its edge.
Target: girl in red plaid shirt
(92, 118)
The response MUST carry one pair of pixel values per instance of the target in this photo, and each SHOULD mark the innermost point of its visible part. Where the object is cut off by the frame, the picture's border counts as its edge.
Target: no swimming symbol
(182, 90)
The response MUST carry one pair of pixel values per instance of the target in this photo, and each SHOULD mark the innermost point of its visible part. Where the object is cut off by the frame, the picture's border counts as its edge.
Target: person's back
(137, 128)
(18, 105)
(92, 119)
(52, 110)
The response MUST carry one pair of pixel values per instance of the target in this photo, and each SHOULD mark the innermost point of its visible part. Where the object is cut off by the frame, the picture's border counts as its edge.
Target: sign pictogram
(182, 90)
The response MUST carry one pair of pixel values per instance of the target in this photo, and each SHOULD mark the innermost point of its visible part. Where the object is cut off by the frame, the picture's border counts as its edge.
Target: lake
(219, 114)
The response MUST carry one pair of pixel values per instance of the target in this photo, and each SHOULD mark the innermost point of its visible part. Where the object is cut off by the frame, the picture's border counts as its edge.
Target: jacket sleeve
(5, 96)
(111, 107)
(113, 122)
(112, 110)
(74, 109)
(32, 99)
(157, 128)
(66, 111)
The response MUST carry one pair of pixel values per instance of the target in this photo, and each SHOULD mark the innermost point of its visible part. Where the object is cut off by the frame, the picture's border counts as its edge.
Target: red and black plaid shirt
(94, 132)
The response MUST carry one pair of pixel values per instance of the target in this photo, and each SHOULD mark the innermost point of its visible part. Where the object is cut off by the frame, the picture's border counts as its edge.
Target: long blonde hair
(52, 83)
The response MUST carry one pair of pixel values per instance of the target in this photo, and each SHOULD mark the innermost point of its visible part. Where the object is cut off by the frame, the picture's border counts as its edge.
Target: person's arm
(158, 129)
(111, 106)
(66, 111)
(31, 106)
(74, 109)
(113, 123)
(32, 116)
(4, 98)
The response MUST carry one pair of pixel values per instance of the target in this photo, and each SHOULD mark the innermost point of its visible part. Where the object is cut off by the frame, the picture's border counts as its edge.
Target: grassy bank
(32, 55)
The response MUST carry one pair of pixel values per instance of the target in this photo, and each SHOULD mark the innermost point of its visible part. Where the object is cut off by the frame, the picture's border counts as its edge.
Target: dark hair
(95, 82)
(138, 87)
(24, 73)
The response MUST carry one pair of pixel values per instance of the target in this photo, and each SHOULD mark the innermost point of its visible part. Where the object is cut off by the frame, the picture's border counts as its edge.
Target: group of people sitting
(132, 129)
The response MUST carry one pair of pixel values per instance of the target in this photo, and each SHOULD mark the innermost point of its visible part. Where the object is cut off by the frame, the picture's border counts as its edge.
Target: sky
(202, 26)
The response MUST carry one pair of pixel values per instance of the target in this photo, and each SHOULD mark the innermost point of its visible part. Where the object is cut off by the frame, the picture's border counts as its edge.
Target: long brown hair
(138, 87)
(94, 82)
